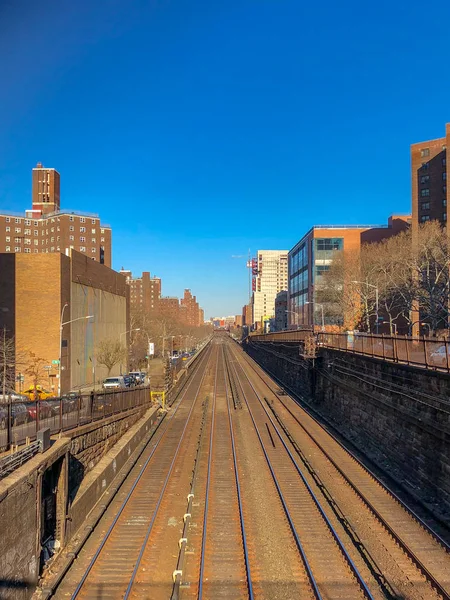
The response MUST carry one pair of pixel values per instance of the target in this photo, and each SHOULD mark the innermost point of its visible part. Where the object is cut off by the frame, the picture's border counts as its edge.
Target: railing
(22, 420)
(429, 353)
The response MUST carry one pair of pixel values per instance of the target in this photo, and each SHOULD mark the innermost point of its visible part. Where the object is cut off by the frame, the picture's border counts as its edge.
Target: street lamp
(60, 341)
(376, 300)
(321, 307)
(120, 340)
(296, 316)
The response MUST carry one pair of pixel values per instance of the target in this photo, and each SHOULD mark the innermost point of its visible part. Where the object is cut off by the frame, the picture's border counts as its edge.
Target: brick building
(192, 314)
(429, 180)
(145, 291)
(39, 291)
(45, 228)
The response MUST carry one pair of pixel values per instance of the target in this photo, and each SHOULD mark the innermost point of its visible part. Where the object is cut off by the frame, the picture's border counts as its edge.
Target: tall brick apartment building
(45, 228)
(192, 316)
(145, 291)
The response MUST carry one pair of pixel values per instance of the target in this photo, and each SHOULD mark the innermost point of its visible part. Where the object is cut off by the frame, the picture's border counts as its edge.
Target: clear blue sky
(199, 129)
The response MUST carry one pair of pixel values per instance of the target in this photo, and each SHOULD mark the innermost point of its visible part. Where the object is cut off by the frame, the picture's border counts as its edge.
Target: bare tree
(7, 362)
(109, 353)
(34, 369)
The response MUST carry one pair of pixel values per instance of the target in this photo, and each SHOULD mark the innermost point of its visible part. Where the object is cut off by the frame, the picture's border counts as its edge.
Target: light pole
(376, 301)
(321, 307)
(60, 341)
(296, 316)
(120, 340)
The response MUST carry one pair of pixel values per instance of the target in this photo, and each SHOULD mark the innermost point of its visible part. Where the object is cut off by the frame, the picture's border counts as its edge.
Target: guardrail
(20, 421)
(429, 353)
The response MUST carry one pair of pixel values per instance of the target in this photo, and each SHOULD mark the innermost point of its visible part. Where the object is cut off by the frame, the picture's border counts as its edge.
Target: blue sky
(200, 129)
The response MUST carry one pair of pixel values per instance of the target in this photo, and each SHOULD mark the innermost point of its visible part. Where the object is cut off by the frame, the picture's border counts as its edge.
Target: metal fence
(22, 420)
(429, 353)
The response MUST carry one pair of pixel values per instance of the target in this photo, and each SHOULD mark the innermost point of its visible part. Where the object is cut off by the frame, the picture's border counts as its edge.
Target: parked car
(69, 402)
(438, 356)
(129, 381)
(139, 377)
(38, 392)
(19, 413)
(12, 396)
(45, 409)
(114, 383)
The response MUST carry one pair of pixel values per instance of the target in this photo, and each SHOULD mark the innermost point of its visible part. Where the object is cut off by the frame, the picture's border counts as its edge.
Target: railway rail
(242, 494)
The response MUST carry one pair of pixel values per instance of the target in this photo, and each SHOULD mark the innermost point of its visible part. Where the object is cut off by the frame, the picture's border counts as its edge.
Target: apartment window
(82, 229)
(425, 165)
(424, 178)
(58, 229)
(27, 241)
(82, 220)
(93, 230)
(27, 231)
(36, 242)
(27, 222)
(58, 249)
(444, 176)
(57, 238)
(93, 221)
(444, 189)
(52, 249)
(52, 230)
(8, 248)
(425, 206)
(18, 230)
(17, 220)
(93, 250)
(444, 202)
(444, 161)
(102, 231)
(102, 239)
(82, 249)
(82, 239)
(27, 250)
(36, 232)
(71, 218)
(7, 239)
(35, 223)
(71, 238)
(36, 251)
(71, 228)
(444, 216)
(8, 220)
(17, 240)
(425, 152)
(94, 241)
(46, 232)
(17, 249)
(52, 239)
(424, 218)
(8, 229)
(425, 192)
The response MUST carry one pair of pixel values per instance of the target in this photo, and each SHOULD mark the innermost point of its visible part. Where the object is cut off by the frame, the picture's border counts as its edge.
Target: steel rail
(138, 478)
(408, 551)
(308, 569)
(158, 504)
(333, 531)
(238, 486)
(208, 482)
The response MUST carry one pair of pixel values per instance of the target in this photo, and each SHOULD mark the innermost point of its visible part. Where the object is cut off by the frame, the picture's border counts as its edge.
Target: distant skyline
(200, 129)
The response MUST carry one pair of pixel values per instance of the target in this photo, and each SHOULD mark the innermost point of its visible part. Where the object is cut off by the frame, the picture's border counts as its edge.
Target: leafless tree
(109, 353)
(7, 362)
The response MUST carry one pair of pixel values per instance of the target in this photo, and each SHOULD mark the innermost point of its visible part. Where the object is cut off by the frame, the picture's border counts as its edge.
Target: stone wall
(398, 415)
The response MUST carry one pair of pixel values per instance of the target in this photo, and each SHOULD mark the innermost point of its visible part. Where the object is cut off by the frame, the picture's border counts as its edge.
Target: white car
(439, 356)
(114, 383)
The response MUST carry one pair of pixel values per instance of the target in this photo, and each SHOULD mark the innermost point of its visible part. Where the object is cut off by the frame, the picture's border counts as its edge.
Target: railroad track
(115, 558)
(331, 571)
(423, 549)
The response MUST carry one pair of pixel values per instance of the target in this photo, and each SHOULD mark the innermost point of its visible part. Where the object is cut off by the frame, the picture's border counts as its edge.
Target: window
(82, 220)
(35, 223)
(17, 220)
(444, 202)
(425, 165)
(444, 176)
(17, 240)
(424, 218)
(329, 244)
(425, 192)
(17, 249)
(7, 239)
(8, 220)
(425, 152)
(57, 238)
(424, 178)
(27, 222)
(18, 230)
(52, 239)
(425, 206)
(93, 230)
(8, 229)
(36, 250)
(82, 249)
(8, 248)
(321, 269)
(27, 250)
(71, 228)
(36, 242)
(82, 229)
(444, 216)
(444, 189)
(102, 239)
(93, 221)
(36, 232)
(444, 161)
(27, 231)
(52, 230)
(82, 239)
(71, 238)
(93, 250)
(94, 241)
(102, 231)
(27, 241)
(71, 218)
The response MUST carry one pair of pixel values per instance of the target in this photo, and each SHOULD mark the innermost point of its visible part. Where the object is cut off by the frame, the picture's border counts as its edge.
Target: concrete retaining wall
(398, 415)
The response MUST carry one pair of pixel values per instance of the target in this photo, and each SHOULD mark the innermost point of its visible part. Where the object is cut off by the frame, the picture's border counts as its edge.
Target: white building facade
(271, 278)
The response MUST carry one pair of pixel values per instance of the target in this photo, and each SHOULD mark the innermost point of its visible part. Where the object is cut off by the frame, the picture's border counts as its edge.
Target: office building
(45, 228)
(281, 314)
(271, 277)
(311, 258)
(41, 291)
